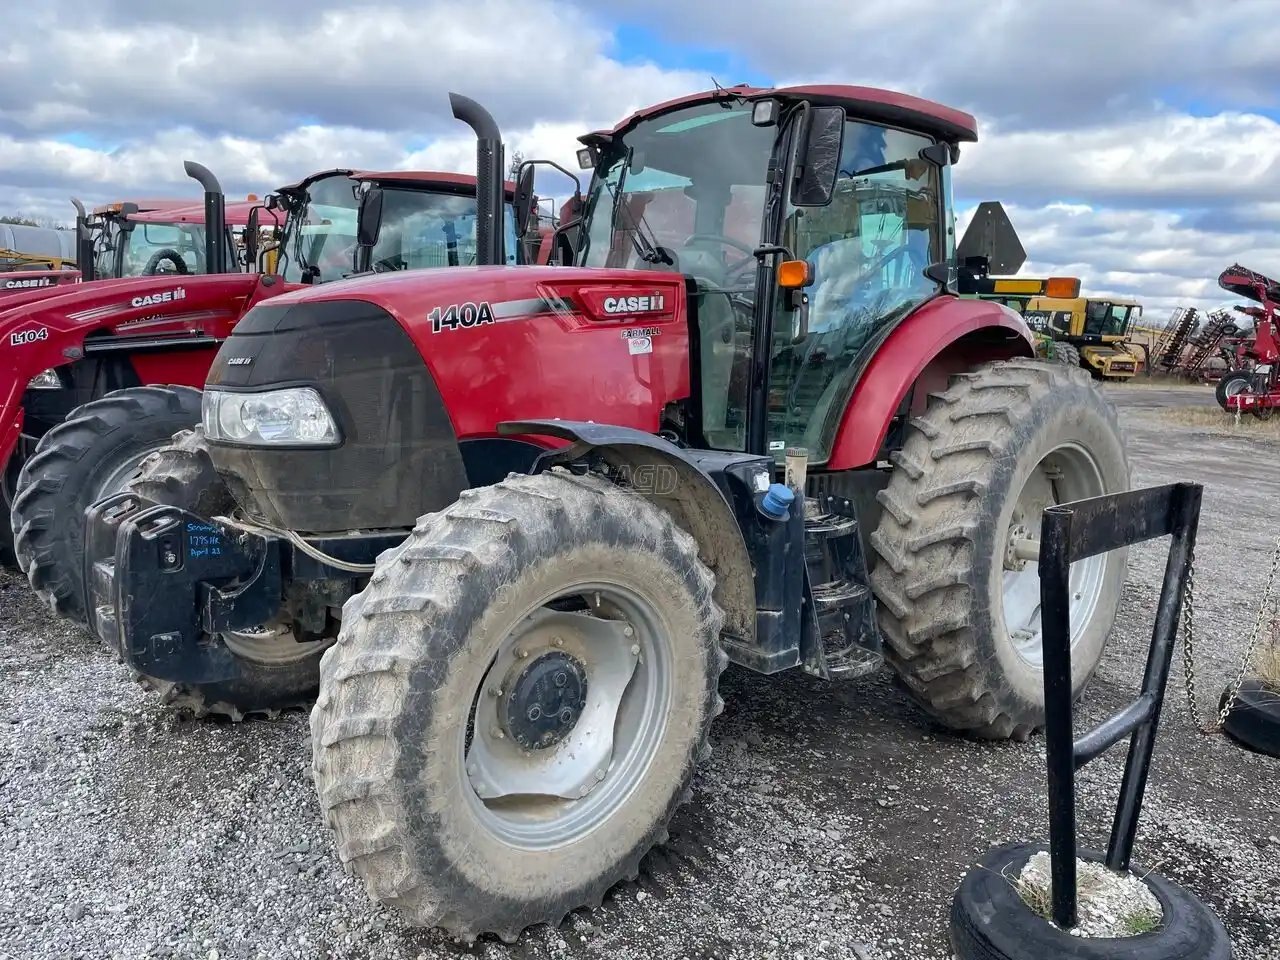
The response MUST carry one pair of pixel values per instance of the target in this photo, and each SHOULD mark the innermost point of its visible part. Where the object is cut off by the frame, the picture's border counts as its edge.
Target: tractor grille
(399, 457)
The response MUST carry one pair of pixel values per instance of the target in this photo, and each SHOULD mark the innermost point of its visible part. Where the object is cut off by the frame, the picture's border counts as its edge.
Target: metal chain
(1188, 644)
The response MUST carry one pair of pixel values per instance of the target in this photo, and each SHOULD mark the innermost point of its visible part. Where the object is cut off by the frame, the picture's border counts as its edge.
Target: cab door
(867, 244)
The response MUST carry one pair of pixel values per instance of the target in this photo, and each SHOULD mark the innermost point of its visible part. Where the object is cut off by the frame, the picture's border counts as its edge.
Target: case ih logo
(23, 284)
(151, 299)
(23, 337)
(653, 303)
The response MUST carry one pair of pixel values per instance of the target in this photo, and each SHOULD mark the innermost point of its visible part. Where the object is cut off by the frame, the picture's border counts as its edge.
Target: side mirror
(251, 236)
(818, 160)
(369, 218)
(524, 198)
(272, 202)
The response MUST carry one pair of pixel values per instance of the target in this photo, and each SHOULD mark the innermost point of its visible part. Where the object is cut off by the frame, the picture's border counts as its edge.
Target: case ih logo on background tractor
(518, 673)
(29, 283)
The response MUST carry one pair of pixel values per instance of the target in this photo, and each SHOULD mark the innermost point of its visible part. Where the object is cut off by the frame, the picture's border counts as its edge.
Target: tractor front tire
(412, 728)
(90, 455)
(973, 477)
(275, 673)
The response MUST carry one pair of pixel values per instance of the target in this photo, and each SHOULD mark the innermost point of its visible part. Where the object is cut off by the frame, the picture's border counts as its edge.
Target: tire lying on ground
(1231, 383)
(958, 611)
(422, 729)
(277, 671)
(990, 921)
(90, 455)
(1254, 719)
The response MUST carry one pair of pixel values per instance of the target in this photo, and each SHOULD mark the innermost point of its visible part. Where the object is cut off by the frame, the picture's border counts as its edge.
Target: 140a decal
(462, 316)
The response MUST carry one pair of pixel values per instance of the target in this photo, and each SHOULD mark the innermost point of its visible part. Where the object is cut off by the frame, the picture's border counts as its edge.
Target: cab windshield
(148, 249)
(418, 229)
(684, 192)
(1105, 319)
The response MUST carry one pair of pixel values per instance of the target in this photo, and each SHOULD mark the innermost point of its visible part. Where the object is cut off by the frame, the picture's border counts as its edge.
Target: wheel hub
(546, 699)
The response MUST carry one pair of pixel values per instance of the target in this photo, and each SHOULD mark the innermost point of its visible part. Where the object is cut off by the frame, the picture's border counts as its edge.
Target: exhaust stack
(490, 194)
(215, 217)
(84, 242)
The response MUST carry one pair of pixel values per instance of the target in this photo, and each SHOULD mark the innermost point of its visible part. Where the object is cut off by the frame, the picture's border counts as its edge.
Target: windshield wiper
(645, 248)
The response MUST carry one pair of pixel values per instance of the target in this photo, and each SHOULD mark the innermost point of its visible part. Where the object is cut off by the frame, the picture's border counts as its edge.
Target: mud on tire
(396, 706)
(182, 475)
(67, 473)
(941, 544)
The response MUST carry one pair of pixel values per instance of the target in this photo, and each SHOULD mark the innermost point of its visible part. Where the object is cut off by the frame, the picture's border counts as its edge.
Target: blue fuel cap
(777, 501)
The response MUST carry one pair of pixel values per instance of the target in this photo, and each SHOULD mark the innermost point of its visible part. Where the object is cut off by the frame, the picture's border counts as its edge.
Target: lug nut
(557, 642)
(628, 631)
(473, 769)
(522, 653)
(566, 715)
(600, 774)
(635, 649)
(535, 712)
(561, 679)
(495, 691)
(497, 734)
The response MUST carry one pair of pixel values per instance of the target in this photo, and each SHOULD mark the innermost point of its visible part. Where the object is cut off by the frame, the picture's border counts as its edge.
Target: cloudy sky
(1136, 143)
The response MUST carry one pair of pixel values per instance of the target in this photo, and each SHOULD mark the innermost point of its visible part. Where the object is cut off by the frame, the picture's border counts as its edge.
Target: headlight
(45, 380)
(295, 417)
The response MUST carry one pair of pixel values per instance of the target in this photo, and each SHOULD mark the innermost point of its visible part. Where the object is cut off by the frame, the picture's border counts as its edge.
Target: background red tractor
(98, 378)
(521, 518)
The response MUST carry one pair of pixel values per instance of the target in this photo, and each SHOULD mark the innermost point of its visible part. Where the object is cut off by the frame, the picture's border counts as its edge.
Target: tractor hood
(155, 305)
(418, 369)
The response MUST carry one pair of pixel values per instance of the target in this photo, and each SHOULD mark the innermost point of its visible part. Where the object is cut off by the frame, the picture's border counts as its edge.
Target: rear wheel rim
(1066, 473)
(619, 640)
(1236, 386)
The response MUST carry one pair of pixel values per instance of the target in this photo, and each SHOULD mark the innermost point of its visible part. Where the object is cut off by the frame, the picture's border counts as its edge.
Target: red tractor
(516, 521)
(1254, 385)
(98, 378)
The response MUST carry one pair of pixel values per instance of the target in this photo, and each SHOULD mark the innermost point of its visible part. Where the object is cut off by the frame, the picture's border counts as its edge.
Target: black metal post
(1071, 532)
(1163, 636)
(1055, 619)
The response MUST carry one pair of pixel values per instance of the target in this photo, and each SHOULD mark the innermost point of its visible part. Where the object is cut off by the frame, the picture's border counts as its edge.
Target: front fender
(978, 329)
(681, 482)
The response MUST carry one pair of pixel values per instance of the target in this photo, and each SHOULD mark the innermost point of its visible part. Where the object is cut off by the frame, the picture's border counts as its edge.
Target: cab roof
(457, 182)
(868, 103)
(237, 214)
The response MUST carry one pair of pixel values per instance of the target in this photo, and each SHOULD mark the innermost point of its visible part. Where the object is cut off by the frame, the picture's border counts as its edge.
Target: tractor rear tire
(90, 455)
(1231, 383)
(403, 694)
(967, 483)
(1067, 354)
(182, 475)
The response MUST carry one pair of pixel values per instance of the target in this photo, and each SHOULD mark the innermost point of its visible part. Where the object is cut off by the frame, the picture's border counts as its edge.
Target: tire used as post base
(1254, 720)
(990, 921)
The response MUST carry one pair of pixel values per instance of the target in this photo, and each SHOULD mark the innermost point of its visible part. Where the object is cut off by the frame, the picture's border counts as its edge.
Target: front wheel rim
(1066, 473)
(543, 798)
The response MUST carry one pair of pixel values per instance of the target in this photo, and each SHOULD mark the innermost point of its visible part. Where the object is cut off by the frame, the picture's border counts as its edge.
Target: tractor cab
(345, 222)
(808, 221)
(155, 237)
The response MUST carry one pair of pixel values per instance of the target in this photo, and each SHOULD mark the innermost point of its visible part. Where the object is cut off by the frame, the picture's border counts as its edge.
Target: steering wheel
(730, 269)
(173, 256)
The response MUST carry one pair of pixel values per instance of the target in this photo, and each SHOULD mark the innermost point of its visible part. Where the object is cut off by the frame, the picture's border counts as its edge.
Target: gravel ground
(833, 820)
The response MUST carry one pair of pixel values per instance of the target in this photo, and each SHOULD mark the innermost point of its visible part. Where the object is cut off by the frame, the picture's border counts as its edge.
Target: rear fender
(677, 480)
(943, 337)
